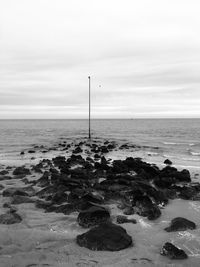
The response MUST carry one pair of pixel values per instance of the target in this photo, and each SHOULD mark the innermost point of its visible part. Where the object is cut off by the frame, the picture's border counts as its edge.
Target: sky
(143, 57)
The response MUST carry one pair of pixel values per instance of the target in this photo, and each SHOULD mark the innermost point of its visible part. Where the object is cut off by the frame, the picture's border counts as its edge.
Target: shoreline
(50, 237)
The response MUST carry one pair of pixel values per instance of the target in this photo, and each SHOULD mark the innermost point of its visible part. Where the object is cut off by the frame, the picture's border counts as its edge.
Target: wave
(194, 153)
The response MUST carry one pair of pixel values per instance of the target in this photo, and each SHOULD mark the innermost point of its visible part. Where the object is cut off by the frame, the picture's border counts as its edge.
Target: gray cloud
(143, 57)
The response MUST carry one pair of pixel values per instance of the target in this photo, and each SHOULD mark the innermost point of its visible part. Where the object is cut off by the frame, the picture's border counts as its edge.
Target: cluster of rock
(87, 184)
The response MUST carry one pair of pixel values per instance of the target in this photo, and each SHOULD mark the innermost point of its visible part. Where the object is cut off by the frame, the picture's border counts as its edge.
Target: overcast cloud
(143, 57)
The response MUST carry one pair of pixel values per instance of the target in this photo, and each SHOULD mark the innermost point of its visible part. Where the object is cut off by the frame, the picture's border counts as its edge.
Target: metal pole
(89, 109)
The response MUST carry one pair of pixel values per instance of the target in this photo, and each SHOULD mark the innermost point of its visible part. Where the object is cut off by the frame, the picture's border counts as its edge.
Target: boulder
(180, 224)
(21, 171)
(10, 218)
(105, 237)
(173, 252)
(93, 216)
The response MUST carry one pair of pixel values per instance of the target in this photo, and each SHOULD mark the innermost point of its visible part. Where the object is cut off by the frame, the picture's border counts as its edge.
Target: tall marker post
(89, 135)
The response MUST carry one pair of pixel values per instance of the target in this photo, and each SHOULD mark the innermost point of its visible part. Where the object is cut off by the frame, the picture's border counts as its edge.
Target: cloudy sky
(143, 57)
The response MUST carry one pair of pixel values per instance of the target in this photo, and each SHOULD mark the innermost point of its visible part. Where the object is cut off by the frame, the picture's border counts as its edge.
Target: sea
(176, 139)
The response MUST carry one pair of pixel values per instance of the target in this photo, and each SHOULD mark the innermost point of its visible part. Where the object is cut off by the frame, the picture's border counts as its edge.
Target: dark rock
(10, 218)
(105, 237)
(97, 156)
(128, 211)
(21, 171)
(93, 216)
(59, 197)
(31, 151)
(65, 209)
(47, 191)
(9, 192)
(21, 199)
(40, 204)
(173, 252)
(5, 177)
(168, 162)
(77, 150)
(180, 224)
(44, 180)
(36, 169)
(123, 219)
(4, 172)
(1, 187)
(143, 206)
(22, 153)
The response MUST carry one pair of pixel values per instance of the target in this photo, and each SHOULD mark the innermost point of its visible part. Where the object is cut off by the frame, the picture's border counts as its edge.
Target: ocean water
(176, 139)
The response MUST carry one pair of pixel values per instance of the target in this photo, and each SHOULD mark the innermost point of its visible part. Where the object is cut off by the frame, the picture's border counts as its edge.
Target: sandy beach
(49, 238)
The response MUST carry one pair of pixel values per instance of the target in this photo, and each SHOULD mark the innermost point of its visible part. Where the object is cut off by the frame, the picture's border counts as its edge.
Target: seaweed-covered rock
(173, 252)
(106, 236)
(93, 216)
(180, 224)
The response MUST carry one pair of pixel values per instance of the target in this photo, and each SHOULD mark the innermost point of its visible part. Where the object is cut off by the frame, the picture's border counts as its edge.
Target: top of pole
(89, 134)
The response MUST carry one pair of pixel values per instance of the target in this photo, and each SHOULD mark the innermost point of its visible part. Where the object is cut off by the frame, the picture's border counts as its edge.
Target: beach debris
(93, 216)
(105, 237)
(173, 252)
(180, 224)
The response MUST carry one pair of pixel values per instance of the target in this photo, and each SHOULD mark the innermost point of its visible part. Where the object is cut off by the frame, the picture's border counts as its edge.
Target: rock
(128, 211)
(180, 224)
(21, 199)
(10, 218)
(123, 219)
(77, 150)
(21, 171)
(105, 237)
(93, 216)
(31, 151)
(5, 177)
(9, 192)
(4, 172)
(1, 187)
(173, 252)
(65, 209)
(168, 162)
(143, 206)
(44, 180)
